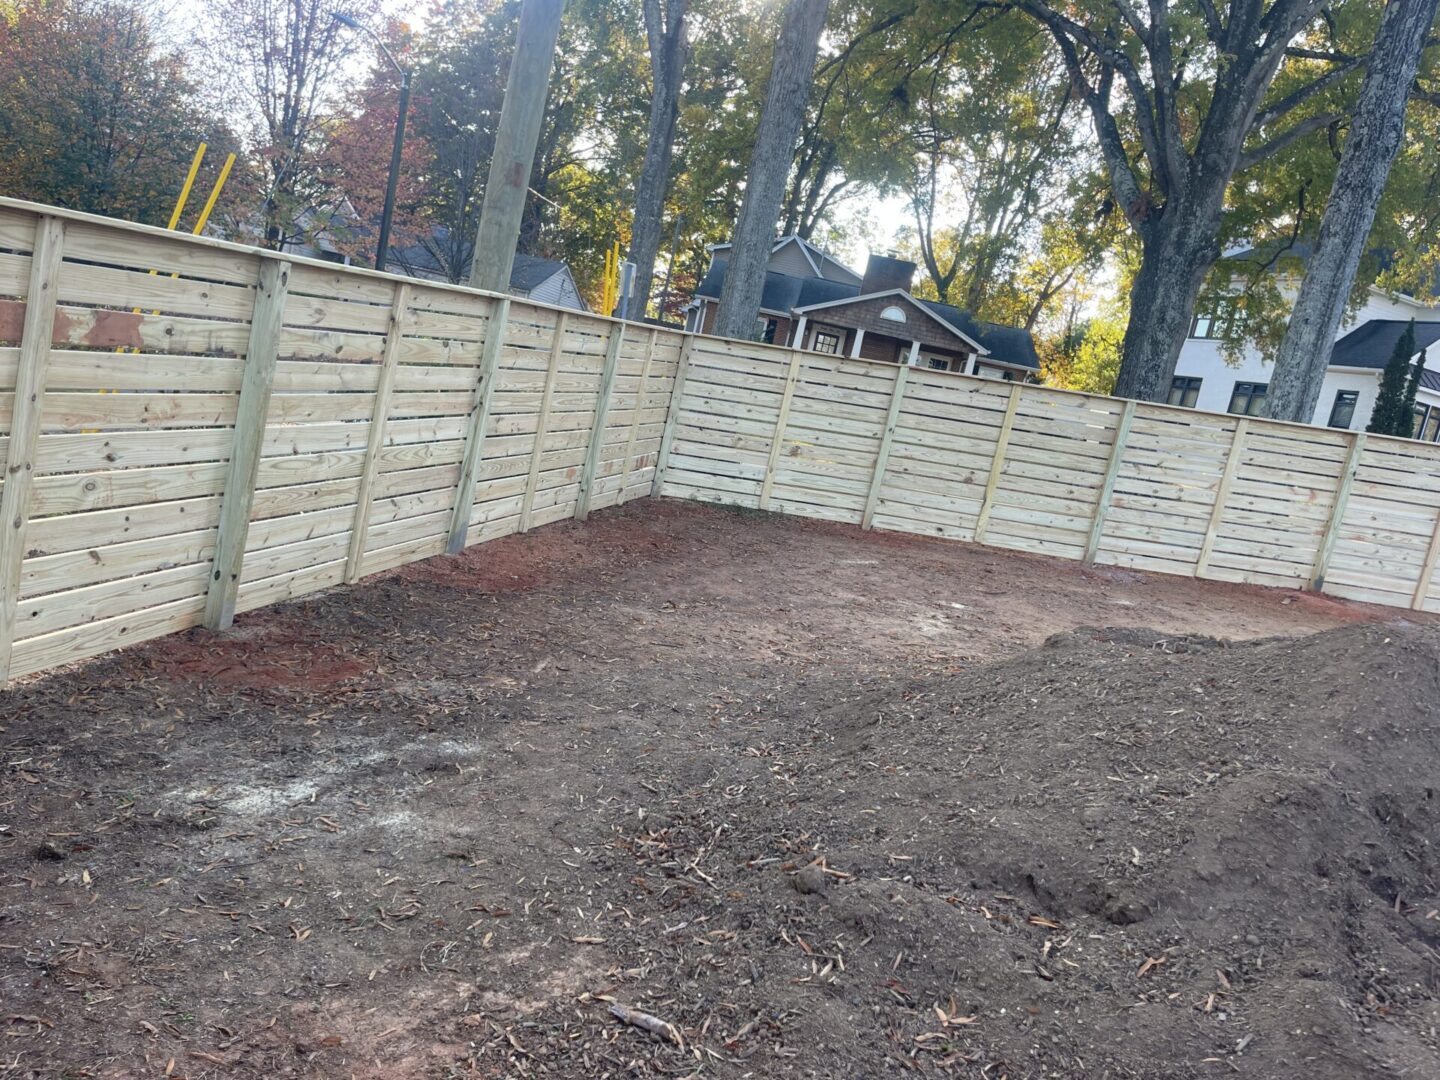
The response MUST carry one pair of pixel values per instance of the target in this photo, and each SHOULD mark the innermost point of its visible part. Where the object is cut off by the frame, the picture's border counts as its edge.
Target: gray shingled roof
(1370, 344)
(527, 272)
(785, 292)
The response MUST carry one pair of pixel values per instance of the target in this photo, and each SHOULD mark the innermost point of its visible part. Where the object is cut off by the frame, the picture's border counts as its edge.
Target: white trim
(980, 349)
(855, 345)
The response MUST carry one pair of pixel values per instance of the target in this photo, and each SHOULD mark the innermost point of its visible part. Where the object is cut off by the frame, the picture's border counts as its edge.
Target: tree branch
(1298, 97)
(1269, 149)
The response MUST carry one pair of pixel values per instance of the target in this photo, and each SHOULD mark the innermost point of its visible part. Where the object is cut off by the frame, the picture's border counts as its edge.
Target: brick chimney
(884, 273)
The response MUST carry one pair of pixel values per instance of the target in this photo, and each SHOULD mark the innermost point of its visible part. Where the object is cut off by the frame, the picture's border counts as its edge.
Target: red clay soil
(818, 802)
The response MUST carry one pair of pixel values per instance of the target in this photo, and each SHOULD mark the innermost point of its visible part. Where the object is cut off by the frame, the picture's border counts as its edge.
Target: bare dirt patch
(832, 804)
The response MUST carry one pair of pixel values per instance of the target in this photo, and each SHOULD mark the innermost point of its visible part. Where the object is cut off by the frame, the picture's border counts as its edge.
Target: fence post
(602, 412)
(1107, 486)
(667, 437)
(360, 529)
(1427, 570)
(882, 456)
(768, 483)
(260, 356)
(1337, 513)
(1232, 464)
(629, 459)
(479, 419)
(997, 464)
(542, 420)
(35, 341)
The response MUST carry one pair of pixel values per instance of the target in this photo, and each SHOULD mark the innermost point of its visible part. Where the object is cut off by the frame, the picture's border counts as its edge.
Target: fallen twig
(661, 1029)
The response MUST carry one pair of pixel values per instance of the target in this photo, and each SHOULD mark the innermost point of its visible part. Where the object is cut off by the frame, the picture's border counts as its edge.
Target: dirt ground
(823, 803)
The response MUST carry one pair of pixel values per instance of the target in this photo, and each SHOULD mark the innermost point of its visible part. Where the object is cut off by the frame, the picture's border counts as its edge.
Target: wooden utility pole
(525, 91)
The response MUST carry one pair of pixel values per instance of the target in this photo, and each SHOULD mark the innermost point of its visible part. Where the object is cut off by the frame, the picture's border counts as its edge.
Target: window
(1213, 316)
(937, 363)
(893, 313)
(1417, 424)
(1248, 398)
(1431, 432)
(1184, 391)
(765, 329)
(827, 341)
(1342, 413)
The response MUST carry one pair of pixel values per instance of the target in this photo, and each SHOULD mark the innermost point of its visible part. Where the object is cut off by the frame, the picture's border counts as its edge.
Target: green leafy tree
(96, 113)
(1394, 403)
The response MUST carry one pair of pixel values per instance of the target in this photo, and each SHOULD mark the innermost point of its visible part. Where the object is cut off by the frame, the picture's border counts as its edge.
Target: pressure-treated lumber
(1222, 493)
(479, 419)
(29, 403)
(552, 370)
(997, 463)
(628, 464)
(1337, 512)
(677, 395)
(239, 492)
(1107, 485)
(602, 413)
(378, 416)
(778, 438)
(1427, 570)
(882, 456)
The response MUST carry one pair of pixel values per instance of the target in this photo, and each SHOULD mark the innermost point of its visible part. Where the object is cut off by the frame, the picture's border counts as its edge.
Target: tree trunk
(785, 99)
(1179, 248)
(666, 34)
(1376, 128)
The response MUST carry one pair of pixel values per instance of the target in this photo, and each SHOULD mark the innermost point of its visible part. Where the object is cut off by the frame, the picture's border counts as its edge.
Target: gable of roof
(1370, 344)
(529, 271)
(905, 297)
(824, 264)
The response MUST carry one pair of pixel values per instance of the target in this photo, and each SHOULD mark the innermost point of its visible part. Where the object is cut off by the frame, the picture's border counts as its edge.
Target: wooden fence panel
(1389, 525)
(941, 454)
(135, 433)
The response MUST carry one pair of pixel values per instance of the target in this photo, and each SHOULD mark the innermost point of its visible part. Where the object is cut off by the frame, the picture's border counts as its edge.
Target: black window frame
(1253, 393)
(1188, 387)
(1346, 398)
(835, 335)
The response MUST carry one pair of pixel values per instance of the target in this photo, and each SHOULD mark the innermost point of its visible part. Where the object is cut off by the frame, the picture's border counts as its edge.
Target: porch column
(855, 348)
(914, 357)
(970, 363)
(797, 340)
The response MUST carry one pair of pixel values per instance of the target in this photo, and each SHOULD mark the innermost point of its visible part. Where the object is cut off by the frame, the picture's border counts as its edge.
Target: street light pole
(388, 214)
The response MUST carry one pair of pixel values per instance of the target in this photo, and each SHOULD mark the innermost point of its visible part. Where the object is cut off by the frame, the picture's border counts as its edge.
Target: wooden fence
(194, 428)
(1152, 487)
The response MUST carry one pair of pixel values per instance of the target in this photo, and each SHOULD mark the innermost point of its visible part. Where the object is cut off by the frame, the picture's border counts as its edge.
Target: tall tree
(284, 57)
(1390, 416)
(95, 113)
(1377, 125)
(666, 35)
(1197, 74)
(792, 67)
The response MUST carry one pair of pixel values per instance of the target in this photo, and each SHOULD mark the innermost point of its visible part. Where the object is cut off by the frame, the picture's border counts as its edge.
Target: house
(1204, 380)
(546, 281)
(811, 301)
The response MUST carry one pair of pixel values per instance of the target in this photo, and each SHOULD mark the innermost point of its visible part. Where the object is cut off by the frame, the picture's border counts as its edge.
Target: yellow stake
(185, 191)
(214, 196)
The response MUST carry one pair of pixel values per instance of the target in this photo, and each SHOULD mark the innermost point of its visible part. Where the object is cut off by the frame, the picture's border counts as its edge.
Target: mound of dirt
(1196, 854)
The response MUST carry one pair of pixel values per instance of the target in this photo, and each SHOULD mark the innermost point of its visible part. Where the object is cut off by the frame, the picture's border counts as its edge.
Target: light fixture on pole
(387, 215)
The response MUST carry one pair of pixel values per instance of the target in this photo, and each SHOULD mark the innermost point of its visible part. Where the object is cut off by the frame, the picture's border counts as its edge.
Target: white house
(1204, 380)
